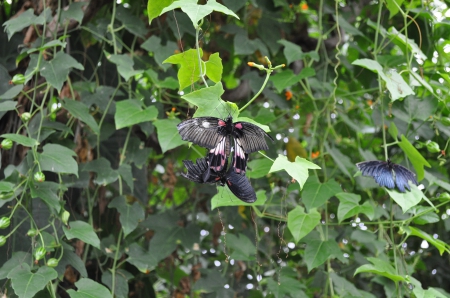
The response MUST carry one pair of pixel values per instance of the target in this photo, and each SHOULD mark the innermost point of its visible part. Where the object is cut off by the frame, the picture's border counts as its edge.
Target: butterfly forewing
(388, 174)
(202, 131)
(251, 136)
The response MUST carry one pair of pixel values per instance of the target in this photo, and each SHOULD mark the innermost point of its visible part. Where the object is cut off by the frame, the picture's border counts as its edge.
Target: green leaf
(394, 81)
(189, 72)
(56, 70)
(225, 197)
(197, 12)
(71, 258)
(18, 258)
(439, 244)
(22, 21)
(168, 135)
(6, 187)
(315, 194)
(26, 283)
(349, 206)
(132, 111)
(102, 167)
(407, 199)
(130, 214)
(317, 252)
(380, 267)
(285, 287)
(80, 111)
(243, 248)
(83, 231)
(22, 140)
(58, 159)
(88, 288)
(143, 260)
(214, 68)
(287, 78)
(7, 105)
(160, 52)
(393, 6)
(48, 192)
(154, 8)
(210, 104)
(124, 65)
(120, 283)
(407, 45)
(74, 11)
(297, 169)
(300, 223)
(343, 161)
(12, 92)
(414, 157)
(393, 131)
(245, 119)
(131, 23)
(126, 172)
(259, 168)
(245, 46)
(291, 51)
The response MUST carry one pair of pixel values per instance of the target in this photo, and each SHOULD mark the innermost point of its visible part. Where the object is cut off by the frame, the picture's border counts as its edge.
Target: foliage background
(363, 80)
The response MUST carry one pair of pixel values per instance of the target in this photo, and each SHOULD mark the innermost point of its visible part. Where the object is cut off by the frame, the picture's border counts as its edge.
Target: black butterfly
(239, 185)
(214, 134)
(388, 174)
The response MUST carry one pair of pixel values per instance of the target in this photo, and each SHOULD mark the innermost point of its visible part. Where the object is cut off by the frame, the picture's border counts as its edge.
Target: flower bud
(39, 253)
(4, 222)
(18, 79)
(39, 177)
(6, 144)
(52, 262)
(433, 147)
(25, 117)
(2, 240)
(32, 232)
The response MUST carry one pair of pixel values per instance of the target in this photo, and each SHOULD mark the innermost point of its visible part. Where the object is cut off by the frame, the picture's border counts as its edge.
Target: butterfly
(388, 174)
(215, 134)
(238, 184)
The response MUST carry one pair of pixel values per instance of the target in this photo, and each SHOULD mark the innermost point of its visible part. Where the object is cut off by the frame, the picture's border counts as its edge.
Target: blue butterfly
(388, 174)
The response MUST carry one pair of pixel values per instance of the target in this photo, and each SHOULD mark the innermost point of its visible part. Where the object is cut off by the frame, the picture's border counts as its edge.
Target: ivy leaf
(26, 283)
(189, 72)
(394, 82)
(380, 267)
(439, 244)
(120, 282)
(168, 135)
(214, 68)
(58, 159)
(291, 51)
(298, 169)
(406, 44)
(349, 206)
(7, 105)
(154, 8)
(131, 23)
(104, 173)
(315, 194)
(48, 192)
(210, 104)
(22, 21)
(80, 111)
(393, 6)
(19, 139)
(130, 214)
(287, 78)
(407, 199)
(88, 288)
(243, 248)
(132, 111)
(225, 197)
(18, 258)
(143, 260)
(126, 172)
(197, 12)
(300, 223)
(415, 157)
(83, 231)
(124, 65)
(285, 286)
(56, 70)
(318, 251)
(259, 168)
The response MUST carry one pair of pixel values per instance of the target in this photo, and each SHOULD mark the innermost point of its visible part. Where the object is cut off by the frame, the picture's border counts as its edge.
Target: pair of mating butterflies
(388, 174)
(216, 135)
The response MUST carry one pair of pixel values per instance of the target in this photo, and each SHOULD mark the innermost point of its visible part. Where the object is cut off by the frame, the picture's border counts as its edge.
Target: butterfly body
(216, 134)
(388, 174)
(239, 185)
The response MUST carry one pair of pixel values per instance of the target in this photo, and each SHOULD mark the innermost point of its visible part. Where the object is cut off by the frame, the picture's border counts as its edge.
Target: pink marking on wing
(238, 125)
(222, 123)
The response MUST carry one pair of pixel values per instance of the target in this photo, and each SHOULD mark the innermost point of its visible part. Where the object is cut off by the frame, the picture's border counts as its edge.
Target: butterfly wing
(402, 176)
(197, 172)
(379, 170)
(251, 137)
(203, 131)
(240, 186)
(239, 158)
(217, 157)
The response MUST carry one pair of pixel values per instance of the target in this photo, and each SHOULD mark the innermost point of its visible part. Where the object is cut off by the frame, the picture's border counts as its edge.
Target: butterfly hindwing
(240, 186)
(217, 156)
(402, 176)
(239, 158)
(196, 172)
